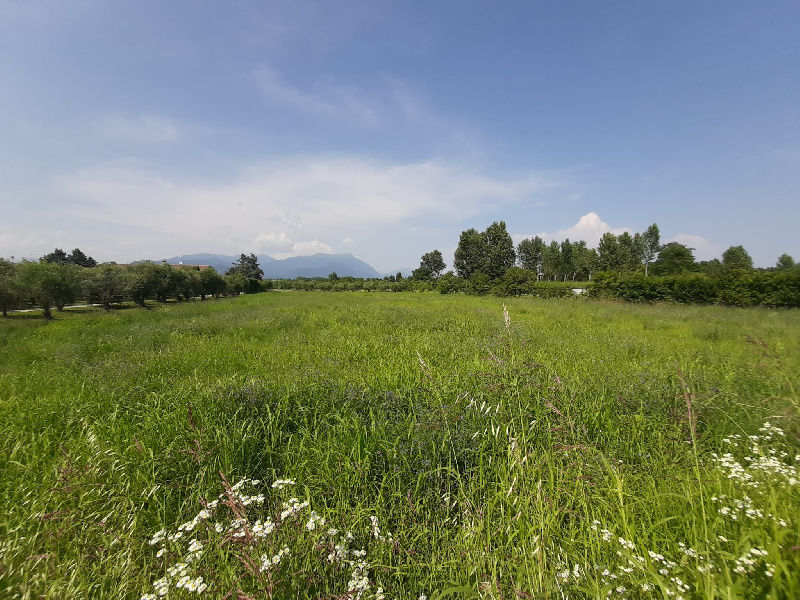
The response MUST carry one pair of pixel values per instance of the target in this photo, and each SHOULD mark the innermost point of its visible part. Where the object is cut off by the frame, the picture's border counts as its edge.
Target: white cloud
(703, 248)
(312, 247)
(142, 128)
(347, 240)
(280, 246)
(590, 228)
(332, 198)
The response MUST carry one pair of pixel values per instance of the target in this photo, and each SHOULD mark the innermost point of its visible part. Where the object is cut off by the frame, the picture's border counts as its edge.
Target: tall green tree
(567, 259)
(736, 257)
(500, 247)
(712, 268)
(629, 252)
(67, 284)
(78, 258)
(652, 244)
(674, 259)
(42, 282)
(247, 266)
(142, 281)
(187, 282)
(212, 283)
(551, 261)
(57, 256)
(166, 281)
(529, 254)
(105, 285)
(585, 260)
(10, 292)
(235, 283)
(637, 253)
(471, 254)
(784, 262)
(431, 266)
(608, 252)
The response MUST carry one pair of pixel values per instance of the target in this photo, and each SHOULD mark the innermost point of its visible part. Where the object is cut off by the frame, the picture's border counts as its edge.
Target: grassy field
(320, 445)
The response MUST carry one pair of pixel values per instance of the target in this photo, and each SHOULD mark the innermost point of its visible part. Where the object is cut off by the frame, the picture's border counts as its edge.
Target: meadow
(410, 445)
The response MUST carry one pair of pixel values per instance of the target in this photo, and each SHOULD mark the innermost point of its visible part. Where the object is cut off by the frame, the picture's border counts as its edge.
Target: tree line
(491, 254)
(631, 267)
(57, 280)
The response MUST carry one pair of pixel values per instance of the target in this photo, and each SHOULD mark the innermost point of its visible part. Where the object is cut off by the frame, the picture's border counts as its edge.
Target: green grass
(494, 457)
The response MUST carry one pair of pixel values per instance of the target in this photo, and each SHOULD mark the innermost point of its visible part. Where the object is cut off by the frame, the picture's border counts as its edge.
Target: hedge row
(738, 287)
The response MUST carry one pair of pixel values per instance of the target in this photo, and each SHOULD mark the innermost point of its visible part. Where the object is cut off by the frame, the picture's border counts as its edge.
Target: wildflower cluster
(761, 463)
(750, 475)
(187, 563)
(743, 506)
(292, 508)
(359, 587)
(279, 484)
(376, 531)
(748, 561)
(267, 562)
(567, 576)
(315, 521)
(763, 467)
(177, 577)
(644, 572)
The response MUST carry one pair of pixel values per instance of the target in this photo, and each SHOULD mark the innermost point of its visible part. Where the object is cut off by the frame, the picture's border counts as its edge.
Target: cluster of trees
(490, 255)
(76, 257)
(493, 254)
(58, 280)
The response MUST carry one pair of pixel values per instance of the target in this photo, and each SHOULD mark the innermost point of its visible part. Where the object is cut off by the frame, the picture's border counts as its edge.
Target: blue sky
(149, 129)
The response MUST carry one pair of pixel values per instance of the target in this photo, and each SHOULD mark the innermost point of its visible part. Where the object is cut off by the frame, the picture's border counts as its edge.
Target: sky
(147, 129)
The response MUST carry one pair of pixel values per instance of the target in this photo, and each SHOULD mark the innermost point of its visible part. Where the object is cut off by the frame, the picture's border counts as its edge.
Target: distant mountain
(318, 265)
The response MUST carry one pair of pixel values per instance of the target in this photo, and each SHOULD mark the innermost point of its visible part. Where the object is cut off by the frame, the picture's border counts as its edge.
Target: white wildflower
(263, 529)
(315, 521)
(279, 484)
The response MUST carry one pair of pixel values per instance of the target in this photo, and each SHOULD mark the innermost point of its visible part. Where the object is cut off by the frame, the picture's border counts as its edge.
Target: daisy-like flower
(279, 484)
(315, 521)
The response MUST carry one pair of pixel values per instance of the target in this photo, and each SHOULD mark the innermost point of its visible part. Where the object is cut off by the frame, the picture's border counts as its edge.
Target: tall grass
(571, 450)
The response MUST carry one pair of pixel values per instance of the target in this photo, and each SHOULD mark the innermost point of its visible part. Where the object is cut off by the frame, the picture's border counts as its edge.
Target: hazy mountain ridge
(317, 265)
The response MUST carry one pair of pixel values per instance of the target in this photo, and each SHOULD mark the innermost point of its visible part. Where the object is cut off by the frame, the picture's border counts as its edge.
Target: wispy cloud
(388, 104)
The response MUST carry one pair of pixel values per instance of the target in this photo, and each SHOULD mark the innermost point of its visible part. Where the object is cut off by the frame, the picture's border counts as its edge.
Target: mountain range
(317, 265)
